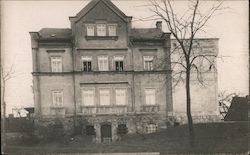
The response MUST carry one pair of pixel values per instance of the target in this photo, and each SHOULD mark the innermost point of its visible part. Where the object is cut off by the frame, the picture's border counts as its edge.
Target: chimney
(159, 25)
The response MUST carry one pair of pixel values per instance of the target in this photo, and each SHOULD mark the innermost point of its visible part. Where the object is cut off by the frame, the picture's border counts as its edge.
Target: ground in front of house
(222, 137)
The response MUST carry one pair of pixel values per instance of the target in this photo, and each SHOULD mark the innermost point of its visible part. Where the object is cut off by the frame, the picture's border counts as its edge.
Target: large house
(105, 76)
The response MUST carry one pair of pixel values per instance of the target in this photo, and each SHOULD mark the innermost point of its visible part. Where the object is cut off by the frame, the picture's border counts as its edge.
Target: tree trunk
(3, 118)
(189, 115)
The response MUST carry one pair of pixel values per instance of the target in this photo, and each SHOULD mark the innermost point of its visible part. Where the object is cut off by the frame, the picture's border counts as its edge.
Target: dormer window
(101, 29)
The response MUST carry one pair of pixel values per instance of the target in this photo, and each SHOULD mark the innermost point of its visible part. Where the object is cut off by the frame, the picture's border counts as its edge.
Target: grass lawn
(210, 138)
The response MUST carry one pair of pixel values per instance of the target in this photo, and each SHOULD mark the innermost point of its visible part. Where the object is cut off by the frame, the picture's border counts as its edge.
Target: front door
(106, 133)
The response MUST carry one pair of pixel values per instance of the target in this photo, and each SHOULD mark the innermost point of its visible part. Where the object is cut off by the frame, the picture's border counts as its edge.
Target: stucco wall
(56, 82)
(45, 54)
(204, 98)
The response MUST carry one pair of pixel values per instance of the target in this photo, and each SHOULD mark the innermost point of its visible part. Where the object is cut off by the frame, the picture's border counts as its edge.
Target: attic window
(101, 29)
(53, 35)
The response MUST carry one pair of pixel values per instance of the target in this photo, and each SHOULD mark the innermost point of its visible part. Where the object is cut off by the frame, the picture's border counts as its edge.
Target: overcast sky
(21, 17)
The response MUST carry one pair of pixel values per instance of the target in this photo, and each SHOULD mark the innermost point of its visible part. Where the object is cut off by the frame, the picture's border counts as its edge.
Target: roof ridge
(108, 3)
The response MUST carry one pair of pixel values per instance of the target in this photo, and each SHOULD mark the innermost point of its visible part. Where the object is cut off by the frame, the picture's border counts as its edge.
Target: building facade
(103, 75)
(103, 72)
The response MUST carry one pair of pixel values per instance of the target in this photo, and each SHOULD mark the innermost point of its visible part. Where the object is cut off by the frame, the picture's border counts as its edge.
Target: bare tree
(225, 99)
(184, 29)
(5, 77)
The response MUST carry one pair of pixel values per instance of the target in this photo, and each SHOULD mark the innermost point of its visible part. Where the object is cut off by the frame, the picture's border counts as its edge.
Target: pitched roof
(54, 33)
(93, 3)
(238, 110)
(146, 33)
(64, 34)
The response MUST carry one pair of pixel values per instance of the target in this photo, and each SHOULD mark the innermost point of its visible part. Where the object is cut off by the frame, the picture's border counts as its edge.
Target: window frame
(104, 28)
(100, 99)
(99, 64)
(87, 32)
(53, 92)
(115, 30)
(53, 68)
(82, 97)
(119, 59)
(125, 97)
(150, 60)
(86, 59)
(90, 130)
(122, 129)
(151, 128)
(154, 99)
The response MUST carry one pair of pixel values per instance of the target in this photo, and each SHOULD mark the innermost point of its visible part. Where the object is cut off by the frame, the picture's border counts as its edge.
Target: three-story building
(102, 74)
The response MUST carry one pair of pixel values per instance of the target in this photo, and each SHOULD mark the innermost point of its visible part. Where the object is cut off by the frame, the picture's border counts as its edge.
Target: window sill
(105, 106)
(57, 107)
(120, 105)
(152, 105)
(88, 106)
(101, 38)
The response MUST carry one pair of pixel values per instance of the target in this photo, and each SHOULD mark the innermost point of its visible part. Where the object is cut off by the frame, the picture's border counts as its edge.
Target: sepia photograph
(125, 77)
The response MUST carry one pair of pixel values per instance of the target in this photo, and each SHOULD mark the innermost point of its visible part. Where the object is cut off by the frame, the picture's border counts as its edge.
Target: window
(119, 63)
(112, 30)
(148, 62)
(57, 97)
(150, 128)
(104, 97)
(103, 63)
(101, 29)
(122, 129)
(90, 30)
(88, 97)
(56, 64)
(120, 96)
(150, 96)
(86, 63)
(90, 130)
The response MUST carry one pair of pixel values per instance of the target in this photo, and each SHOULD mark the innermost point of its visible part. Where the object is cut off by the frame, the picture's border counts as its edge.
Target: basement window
(90, 130)
(122, 129)
(151, 128)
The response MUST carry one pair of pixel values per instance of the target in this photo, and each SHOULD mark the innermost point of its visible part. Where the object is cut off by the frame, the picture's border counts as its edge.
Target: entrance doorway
(106, 133)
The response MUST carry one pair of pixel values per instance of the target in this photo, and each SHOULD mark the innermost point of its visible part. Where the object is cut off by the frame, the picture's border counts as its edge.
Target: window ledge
(120, 106)
(105, 106)
(153, 105)
(88, 106)
(57, 107)
(101, 37)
